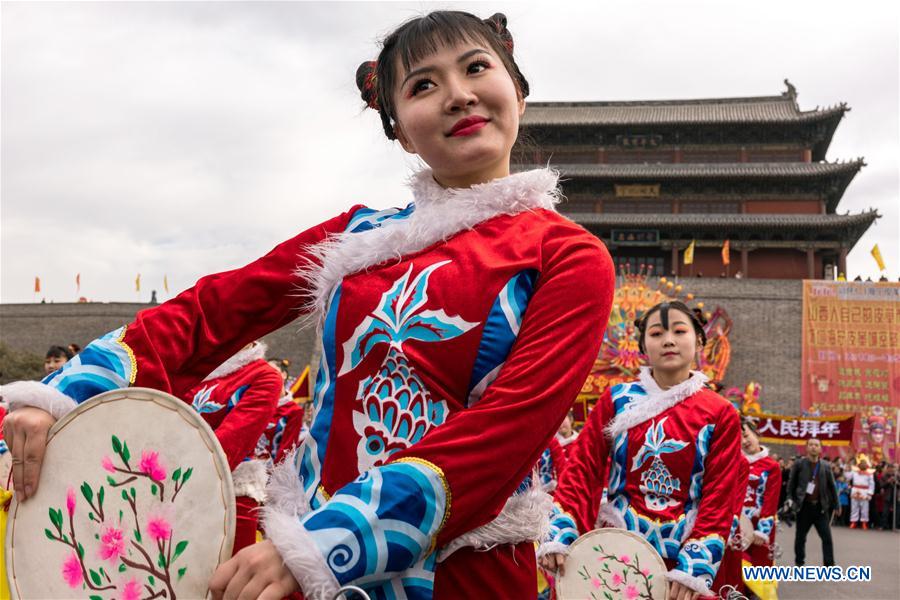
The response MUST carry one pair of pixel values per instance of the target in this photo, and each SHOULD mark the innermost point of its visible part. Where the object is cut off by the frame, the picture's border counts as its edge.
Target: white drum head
(135, 499)
(612, 563)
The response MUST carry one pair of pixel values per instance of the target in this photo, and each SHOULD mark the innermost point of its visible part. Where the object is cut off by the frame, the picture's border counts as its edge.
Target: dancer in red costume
(665, 447)
(436, 320)
(238, 400)
(761, 500)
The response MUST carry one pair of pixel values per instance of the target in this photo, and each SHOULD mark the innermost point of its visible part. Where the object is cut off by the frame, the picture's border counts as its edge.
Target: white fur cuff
(250, 480)
(763, 536)
(525, 518)
(20, 394)
(695, 583)
(301, 555)
(552, 548)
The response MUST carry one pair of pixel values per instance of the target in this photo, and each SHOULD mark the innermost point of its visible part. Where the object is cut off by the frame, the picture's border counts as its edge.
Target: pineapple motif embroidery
(395, 408)
(657, 482)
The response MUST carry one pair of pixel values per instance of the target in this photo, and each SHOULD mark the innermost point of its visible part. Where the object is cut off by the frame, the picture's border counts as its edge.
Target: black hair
(750, 423)
(421, 37)
(663, 309)
(59, 352)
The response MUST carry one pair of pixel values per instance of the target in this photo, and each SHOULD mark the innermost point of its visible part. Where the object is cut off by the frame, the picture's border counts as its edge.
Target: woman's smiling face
(459, 110)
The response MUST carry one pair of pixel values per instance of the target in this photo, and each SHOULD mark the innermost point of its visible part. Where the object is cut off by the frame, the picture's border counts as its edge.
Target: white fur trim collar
(657, 401)
(565, 441)
(752, 458)
(243, 358)
(439, 214)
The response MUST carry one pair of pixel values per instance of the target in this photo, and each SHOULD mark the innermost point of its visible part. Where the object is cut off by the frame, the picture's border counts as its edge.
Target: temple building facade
(650, 177)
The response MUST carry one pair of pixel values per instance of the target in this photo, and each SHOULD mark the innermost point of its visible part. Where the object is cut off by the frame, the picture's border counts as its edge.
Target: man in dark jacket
(812, 489)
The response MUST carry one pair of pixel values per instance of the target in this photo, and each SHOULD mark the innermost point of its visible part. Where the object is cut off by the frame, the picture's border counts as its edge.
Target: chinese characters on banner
(780, 429)
(851, 358)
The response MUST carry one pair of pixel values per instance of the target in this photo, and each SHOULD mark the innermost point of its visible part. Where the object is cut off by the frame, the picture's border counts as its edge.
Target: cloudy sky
(179, 139)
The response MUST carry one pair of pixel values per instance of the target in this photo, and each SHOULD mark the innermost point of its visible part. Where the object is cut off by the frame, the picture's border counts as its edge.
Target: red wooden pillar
(675, 259)
(811, 264)
(745, 269)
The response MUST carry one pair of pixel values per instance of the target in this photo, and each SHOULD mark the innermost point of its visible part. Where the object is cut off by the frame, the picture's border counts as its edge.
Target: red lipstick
(467, 126)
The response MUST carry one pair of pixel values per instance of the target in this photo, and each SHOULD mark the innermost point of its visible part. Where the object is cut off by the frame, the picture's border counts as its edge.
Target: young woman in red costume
(665, 448)
(761, 500)
(435, 319)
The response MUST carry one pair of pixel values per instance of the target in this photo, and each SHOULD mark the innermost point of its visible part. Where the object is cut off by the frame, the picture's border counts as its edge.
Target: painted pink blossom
(617, 579)
(151, 465)
(112, 544)
(596, 583)
(625, 559)
(159, 528)
(71, 571)
(70, 501)
(631, 592)
(131, 590)
(645, 572)
(108, 465)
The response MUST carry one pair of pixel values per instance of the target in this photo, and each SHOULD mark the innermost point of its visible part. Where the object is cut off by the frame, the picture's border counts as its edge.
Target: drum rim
(170, 402)
(658, 560)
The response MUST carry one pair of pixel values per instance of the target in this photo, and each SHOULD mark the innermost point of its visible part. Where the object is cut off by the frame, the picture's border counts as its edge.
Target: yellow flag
(726, 252)
(689, 254)
(37, 285)
(137, 283)
(166, 283)
(876, 254)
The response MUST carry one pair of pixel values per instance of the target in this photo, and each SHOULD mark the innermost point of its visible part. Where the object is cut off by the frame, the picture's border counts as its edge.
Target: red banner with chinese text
(782, 429)
(851, 357)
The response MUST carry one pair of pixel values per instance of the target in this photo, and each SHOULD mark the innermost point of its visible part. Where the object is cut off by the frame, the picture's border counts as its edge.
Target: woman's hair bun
(497, 21)
(366, 82)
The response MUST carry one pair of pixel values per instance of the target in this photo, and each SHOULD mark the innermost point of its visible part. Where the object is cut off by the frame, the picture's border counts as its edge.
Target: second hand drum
(135, 501)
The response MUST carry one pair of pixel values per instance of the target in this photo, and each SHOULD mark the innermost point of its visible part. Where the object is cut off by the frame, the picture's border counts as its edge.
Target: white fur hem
(525, 517)
(608, 516)
(763, 536)
(250, 479)
(439, 213)
(242, 358)
(695, 583)
(20, 394)
(752, 458)
(301, 555)
(552, 548)
(656, 402)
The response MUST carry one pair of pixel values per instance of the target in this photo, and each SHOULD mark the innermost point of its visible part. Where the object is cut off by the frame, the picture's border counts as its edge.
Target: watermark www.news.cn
(783, 573)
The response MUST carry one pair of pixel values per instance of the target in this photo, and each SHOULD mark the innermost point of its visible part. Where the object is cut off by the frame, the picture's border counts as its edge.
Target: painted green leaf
(87, 492)
(187, 475)
(179, 548)
(95, 577)
(101, 494)
(122, 567)
(90, 515)
(56, 517)
(121, 514)
(161, 561)
(151, 579)
(80, 550)
(126, 454)
(124, 495)
(137, 536)
(96, 536)
(65, 539)
(96, 597)
(153, 490)
(181, 572)
(133, 493)
(177, 474)
(607, 595)
(103, 572)
(49, 535)
(110, 480)
(117, 445)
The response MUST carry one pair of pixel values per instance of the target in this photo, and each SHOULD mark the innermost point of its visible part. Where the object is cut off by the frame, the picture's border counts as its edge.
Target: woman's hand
(759, 540)
(25, 431)
(553, 562)
(678, 591)
(257, 571)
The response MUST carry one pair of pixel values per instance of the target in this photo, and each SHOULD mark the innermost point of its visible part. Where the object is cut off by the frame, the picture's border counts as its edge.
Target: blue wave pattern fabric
(104, 365)
(500, 331)
(701, 558)
(382, 524)
(562, 527)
